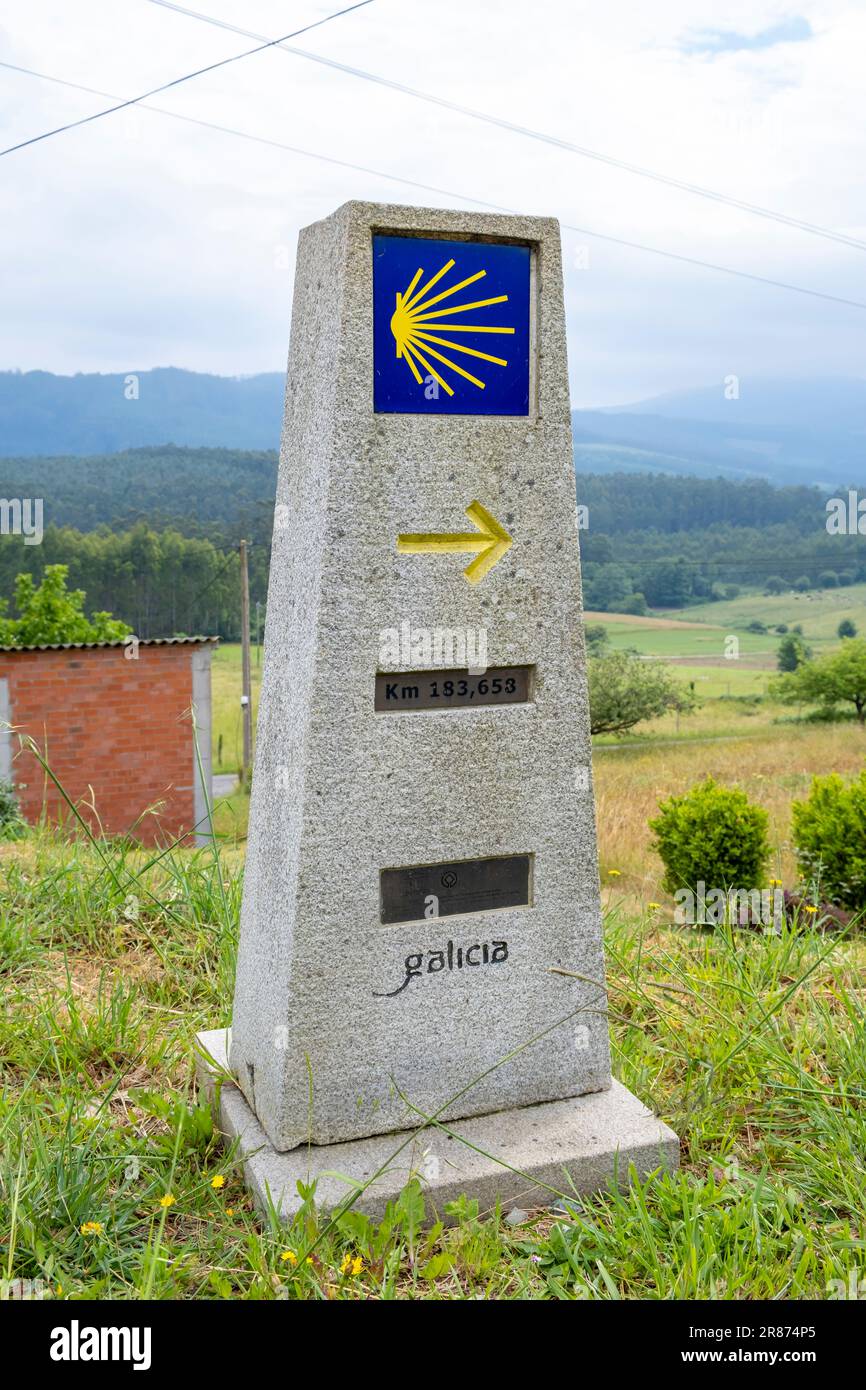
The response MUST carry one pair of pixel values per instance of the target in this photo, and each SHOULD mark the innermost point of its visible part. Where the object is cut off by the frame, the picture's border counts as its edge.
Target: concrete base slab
(533, 1156)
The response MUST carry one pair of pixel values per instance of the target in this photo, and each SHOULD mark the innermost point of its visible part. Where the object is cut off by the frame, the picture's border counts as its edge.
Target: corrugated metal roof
(119, 642)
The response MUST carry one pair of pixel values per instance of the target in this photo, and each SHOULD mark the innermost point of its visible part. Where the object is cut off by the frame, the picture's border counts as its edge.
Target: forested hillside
(663, 541)
(152, 535)
(219, 493)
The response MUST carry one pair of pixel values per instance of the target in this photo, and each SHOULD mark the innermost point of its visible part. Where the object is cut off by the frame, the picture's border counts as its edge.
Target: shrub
(782, 628)
(711, 835)
(596, 637)
(846, 628)
(634, 603)
(12, 823)
(829, 834)
(756, 626)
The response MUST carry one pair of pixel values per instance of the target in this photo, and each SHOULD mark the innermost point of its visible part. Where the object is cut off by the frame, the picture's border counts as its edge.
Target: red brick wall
(104, 721)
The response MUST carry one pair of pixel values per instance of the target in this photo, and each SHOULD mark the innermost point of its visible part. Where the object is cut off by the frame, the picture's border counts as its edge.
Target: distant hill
(810, 403)
(89, 413)
(806, 432)
(788, 431)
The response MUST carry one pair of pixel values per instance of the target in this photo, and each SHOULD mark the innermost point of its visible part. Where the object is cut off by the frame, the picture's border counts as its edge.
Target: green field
(692, 639)
(698, 634)
(819, 611)
(680, 640)
(226, 705)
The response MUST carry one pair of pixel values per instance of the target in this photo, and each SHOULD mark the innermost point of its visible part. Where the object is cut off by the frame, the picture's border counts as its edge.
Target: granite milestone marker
(422, 856)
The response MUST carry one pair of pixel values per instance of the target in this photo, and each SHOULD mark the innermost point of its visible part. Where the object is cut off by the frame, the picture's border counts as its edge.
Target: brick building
(114, 717)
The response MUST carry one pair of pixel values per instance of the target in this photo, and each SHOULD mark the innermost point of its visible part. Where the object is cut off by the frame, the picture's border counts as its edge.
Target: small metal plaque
(421, 690)
(463, 886)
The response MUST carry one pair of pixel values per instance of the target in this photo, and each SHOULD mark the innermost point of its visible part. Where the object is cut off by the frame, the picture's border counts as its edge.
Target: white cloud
(138, 240)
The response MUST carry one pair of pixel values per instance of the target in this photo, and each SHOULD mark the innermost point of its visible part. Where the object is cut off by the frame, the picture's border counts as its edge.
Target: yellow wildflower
(218, 1181)
(167, 1200)
(290, 1256)
(230, 1211)
(613, 873)
(654, 907)
(92, 1228)
(810, 908)
(357, 1265)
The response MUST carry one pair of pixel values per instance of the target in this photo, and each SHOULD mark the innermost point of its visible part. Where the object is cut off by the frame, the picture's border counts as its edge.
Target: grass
(698, 632)
(112, 1183)
(226, 705)
(819, 611)
(698, 641)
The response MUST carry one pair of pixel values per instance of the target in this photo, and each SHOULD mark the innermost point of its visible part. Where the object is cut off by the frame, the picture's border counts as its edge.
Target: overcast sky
(140, 240)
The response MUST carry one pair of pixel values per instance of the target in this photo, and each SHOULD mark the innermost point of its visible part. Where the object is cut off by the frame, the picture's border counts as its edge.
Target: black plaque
(422, 690)
(463, 886)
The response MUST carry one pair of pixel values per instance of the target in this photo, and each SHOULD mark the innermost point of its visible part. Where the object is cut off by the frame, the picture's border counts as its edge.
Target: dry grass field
(773, 767)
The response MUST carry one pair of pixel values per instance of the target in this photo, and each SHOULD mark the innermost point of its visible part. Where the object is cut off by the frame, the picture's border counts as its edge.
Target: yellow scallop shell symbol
(415, 325)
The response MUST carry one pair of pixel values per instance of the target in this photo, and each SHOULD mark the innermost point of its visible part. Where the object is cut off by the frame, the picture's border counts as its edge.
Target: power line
(213, 579)
(444, 192)
(176, 82)
(684, 186)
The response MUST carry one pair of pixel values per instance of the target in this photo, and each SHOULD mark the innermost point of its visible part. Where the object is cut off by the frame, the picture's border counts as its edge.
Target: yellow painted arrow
(489, 543)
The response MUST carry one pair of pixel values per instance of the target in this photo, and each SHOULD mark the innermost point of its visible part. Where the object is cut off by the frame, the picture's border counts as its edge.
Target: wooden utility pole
(246, 692)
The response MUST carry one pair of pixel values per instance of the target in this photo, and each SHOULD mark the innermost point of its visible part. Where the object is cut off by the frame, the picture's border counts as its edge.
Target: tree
(834, 679)
(605, 586)
(668, 584)
(596, 637)
(792, 652)
(50, 613)
(803, 583)
(846, 628)
(623, 690)
(775, 584)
